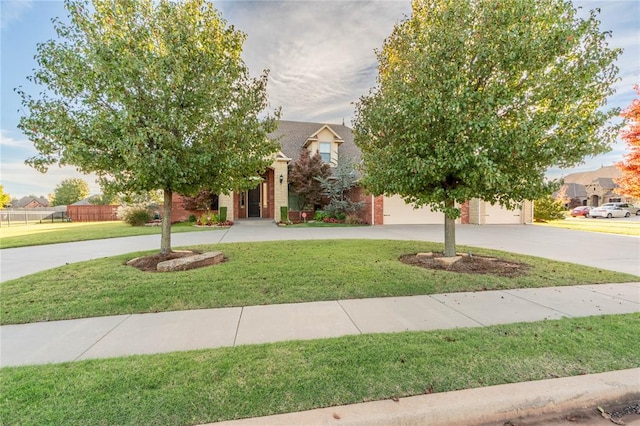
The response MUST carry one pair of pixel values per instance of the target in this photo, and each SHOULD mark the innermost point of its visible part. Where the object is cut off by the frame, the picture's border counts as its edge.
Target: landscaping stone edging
(191, 262)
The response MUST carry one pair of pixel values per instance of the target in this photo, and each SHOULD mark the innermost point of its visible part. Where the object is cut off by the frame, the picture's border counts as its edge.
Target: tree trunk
(449, 232)
(165, 242)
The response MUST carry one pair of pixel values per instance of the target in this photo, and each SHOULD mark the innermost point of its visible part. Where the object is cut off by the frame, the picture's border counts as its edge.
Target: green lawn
(266, 273)
(52, 233)
(608, 226)
(188, 388)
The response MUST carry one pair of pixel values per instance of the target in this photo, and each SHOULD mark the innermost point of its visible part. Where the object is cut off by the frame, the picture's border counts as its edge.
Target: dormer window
(325, 151)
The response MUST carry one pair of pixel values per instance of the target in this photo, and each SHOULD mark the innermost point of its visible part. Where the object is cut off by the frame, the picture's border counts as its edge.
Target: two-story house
(332, 141)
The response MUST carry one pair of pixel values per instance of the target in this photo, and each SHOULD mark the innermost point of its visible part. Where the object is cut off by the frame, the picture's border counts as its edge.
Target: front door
(254, 202)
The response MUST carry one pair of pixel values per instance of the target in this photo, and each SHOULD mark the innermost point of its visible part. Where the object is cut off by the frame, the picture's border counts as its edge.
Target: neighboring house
(332, 141)
(571, 191)
(30, 203)
(593, 188)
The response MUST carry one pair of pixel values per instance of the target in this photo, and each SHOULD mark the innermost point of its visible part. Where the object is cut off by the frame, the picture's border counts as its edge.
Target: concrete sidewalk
(104, 337)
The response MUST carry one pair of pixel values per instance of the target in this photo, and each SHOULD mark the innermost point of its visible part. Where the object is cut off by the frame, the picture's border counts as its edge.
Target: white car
(609, 211)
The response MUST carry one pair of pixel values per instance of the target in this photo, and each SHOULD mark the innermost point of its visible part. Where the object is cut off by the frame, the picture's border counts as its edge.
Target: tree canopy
(149, 95)
(477, 98)
(69, 191)
(630, 166)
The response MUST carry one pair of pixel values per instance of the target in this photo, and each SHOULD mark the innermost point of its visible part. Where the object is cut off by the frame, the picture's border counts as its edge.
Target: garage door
(498, 215)
(397, 212)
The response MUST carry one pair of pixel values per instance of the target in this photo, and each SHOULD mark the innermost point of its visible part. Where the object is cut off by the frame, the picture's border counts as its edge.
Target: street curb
(480, 406)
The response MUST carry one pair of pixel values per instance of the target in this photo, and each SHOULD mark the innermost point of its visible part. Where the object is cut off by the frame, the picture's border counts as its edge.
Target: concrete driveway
(613, 252)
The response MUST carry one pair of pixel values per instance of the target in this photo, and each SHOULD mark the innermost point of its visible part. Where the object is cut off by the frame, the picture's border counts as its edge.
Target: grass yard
(52, 233)
(607, 226)
(188, 388)
(266, 273)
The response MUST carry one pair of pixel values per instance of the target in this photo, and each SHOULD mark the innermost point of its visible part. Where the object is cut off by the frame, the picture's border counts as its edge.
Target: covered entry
(253, 202)
(257, 202)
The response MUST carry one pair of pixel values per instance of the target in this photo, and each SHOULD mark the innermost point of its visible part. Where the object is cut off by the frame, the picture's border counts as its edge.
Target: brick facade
(179, 213)
(464, 210)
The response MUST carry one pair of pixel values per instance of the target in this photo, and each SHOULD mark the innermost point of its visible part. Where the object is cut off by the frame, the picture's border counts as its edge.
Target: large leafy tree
(104, 199)
(630, 167)
(69, 191)
(149, 95)
(303, 178)
(477, 98)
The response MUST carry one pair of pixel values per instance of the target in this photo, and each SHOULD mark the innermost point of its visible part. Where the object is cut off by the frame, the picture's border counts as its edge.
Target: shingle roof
(574, 190)
(586, 178)
(26, 200)
(294, 134)
(606, 183)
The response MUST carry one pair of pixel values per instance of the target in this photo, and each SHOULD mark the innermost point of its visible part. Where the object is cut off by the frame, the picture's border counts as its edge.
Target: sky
(320, 56)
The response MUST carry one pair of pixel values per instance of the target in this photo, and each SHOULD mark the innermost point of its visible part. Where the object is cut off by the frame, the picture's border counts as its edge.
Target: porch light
(281, 179)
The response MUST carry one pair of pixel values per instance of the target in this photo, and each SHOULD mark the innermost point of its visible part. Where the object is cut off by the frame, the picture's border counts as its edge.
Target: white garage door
(498, 215)
(397, 212)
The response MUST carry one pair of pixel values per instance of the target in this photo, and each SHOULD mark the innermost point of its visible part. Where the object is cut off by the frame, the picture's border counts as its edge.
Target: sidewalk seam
(582, 287)
(349, 316)
(235, 338)
(103, 336)
(537, 303)
(224, 234)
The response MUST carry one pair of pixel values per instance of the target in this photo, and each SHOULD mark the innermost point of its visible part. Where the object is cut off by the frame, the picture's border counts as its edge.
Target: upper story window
(325, 151)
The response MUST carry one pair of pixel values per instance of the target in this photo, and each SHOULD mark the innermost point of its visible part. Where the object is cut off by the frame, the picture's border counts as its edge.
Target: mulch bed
(469, 265)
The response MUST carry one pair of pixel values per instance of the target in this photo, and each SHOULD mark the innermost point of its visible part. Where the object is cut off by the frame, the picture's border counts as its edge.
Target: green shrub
(192, 218)
(208, 219)
(222, 214)
(139, 218)
(134, 215)
(320, 215)
(284, 214)
(547, 208)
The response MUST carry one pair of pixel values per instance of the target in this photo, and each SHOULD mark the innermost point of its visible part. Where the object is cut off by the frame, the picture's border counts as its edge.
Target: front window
(325, 151)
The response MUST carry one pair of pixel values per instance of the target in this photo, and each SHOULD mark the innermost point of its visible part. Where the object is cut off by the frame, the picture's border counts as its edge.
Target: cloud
(20, 180)
(12, 11)
(320, 54)
(7, 141)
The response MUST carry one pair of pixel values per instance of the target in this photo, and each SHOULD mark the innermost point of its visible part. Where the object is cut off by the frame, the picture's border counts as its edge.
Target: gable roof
(574, 190)
(24, 201)
(585, 178)
(294, 135)
(604, 182)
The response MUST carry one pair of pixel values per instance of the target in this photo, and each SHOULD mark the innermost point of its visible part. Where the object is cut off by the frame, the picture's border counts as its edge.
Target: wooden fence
(91, 213)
